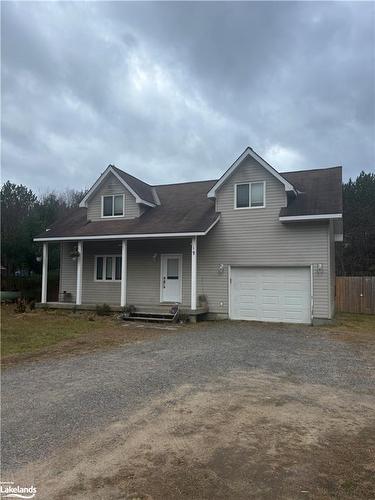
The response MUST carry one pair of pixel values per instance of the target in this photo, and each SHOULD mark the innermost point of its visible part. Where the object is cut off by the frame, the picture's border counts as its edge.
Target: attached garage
(280, 294)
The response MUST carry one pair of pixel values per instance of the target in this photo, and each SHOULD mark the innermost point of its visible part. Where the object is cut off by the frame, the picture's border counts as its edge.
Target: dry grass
(358, 328)
(39, 334)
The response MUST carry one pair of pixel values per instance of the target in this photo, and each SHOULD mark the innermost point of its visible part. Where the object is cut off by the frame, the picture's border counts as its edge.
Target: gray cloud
(175, 91)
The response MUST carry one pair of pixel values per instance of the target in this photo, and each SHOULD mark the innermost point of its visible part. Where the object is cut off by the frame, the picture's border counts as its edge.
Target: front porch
(150, 274)
(192, 314)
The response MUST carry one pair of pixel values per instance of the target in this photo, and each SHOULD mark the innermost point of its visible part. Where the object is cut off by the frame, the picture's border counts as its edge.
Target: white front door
(171, 278)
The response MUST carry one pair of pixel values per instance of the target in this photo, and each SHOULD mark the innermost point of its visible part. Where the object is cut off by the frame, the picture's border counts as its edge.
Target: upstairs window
(113, 205)
(250, 195)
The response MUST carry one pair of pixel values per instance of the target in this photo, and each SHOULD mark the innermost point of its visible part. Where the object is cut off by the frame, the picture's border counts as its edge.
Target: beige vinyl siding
(255, 237)
(143, 282)
(111, 186)
(68, 271)
(144, 271)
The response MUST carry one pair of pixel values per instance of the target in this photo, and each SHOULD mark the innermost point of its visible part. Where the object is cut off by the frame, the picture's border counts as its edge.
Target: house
(258, 244)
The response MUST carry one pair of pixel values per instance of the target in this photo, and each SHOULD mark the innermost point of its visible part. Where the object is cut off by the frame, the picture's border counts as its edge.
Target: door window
(172, 269)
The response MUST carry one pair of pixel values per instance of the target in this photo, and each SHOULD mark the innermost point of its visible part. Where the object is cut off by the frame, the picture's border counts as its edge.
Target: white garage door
(279, 294)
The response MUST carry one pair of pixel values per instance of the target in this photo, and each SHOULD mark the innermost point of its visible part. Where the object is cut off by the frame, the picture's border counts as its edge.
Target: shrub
(32, 305)
(128, 310)
(103, 310)
(20, 306)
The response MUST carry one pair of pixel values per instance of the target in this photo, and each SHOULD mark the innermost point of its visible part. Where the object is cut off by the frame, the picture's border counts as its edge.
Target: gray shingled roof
(143, 190)
(319, 192)
(185, 208)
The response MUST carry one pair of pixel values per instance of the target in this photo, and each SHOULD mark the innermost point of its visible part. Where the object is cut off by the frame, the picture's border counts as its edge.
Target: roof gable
(249, 153)
(142, 192)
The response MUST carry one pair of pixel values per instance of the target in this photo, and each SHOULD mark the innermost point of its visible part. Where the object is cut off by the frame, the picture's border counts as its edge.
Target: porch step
(151, 316)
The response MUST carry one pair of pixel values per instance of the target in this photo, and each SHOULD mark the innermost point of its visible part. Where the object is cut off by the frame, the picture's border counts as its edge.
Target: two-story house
(258, 244)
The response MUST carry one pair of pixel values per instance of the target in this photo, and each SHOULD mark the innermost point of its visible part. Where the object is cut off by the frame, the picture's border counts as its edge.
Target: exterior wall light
(39, 258)
(319, 268)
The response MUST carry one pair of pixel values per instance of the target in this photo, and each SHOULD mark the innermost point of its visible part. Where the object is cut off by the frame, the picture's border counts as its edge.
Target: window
(99, 268)
(250, 195)
(257, 194)
(242, 195)
(113, 205)
(108, 268)
(172, 269)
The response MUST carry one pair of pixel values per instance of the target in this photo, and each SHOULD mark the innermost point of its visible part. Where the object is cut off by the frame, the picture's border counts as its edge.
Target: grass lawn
(40, 333)
(34, 330)
(358, 328)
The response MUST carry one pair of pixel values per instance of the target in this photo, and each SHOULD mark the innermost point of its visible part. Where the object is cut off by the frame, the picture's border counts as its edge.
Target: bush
(32, 305)
(20, 306)
(103, 310)
(128, 310)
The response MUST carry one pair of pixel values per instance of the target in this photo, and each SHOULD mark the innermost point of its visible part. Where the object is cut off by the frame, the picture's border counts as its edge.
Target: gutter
(301, 218)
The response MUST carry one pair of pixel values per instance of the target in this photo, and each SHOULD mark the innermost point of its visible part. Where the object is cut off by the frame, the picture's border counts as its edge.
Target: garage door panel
(294, 301)
(270, 294)
(270, 315)
(270, 300)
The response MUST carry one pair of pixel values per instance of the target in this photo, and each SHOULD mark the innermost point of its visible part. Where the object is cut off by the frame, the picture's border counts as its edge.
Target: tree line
(24, 215)
(356, 255)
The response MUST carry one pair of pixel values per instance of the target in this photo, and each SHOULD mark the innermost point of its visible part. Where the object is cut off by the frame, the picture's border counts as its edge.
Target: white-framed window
(107, 268)
(113, 205)
(250, 195)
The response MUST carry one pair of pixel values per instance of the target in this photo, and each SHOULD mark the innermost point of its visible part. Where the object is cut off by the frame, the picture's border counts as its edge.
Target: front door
(171, 278)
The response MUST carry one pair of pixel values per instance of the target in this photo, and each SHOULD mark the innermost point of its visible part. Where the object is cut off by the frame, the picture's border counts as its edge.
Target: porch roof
(185, 210)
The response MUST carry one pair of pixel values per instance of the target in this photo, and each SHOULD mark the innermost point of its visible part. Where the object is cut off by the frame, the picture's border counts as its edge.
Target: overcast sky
(175, 91)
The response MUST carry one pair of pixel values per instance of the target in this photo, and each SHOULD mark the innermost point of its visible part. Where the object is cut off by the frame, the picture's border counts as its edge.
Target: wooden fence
(355, 294)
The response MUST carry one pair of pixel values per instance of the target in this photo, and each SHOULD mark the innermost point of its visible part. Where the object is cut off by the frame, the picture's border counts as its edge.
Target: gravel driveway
(50, 405)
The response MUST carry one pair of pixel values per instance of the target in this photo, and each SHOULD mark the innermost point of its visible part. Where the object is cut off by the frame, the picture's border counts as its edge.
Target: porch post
(79, 273)
(194, 273)
(124, 277)
(44, 272)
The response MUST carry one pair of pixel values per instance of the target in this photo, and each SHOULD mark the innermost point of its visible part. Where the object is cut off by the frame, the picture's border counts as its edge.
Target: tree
(358, 248)
(23, 217)
(17, 205)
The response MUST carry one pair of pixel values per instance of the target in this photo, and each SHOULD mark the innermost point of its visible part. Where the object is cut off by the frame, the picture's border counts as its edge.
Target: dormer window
(113, 205)
(249, 195)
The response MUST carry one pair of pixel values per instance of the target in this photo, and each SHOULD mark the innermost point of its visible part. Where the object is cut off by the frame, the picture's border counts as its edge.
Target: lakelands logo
(8, 490)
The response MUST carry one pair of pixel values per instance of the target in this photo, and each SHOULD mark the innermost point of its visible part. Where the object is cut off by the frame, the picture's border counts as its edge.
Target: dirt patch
(248, 435)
